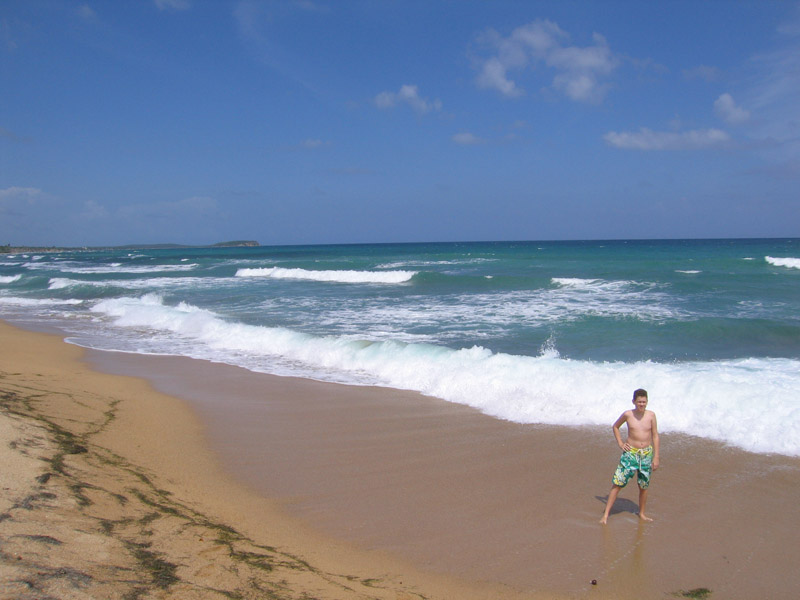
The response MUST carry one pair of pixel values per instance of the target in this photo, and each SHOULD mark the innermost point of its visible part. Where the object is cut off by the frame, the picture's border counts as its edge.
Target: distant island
(9, 249)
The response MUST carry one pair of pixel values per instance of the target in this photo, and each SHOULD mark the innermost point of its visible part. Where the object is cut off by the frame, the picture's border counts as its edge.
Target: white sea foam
(687, 272)
(9, 278)
(793, 263)
(113, 268)
(436, 263)
(721, 400)
(593, 284)
(484, 315)
(59, 283)
(487, 312)
(135, 269)
(330, 276)
(14, 301)
(573, 281)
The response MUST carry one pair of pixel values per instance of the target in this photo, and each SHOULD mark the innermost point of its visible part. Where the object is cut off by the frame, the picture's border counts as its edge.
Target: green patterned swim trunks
(633, 461)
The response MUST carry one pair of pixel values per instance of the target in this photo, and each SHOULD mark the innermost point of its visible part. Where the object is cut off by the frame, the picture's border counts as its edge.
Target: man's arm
(656, 442)
(625, 446)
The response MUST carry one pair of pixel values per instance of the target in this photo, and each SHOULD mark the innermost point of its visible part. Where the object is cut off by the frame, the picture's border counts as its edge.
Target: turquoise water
(547, 332)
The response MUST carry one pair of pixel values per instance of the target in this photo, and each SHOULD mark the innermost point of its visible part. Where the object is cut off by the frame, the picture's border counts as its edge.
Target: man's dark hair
(639, 392)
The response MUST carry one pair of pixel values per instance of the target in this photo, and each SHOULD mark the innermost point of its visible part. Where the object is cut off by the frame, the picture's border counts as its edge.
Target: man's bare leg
(612, 497)
(642, 504)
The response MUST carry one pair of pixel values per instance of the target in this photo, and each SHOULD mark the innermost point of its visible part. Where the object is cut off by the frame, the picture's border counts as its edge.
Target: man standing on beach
(639, 452)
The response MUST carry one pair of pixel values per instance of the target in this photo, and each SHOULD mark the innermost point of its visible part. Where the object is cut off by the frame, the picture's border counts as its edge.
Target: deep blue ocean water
(534, 332)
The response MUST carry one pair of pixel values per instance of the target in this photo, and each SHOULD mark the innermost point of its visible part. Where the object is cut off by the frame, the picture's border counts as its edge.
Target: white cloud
(493, 75)
(467, 139)
(172, 4)
(408, 94)
(727, 110)
(579, 72)
(646, 139)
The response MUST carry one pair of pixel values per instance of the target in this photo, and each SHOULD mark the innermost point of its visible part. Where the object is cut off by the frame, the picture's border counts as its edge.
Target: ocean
(532, 332)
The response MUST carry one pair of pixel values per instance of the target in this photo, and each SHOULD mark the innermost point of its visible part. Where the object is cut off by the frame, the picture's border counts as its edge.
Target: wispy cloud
(16, 193)
(254, 22)
(18, 201)
(86, 12)
(10, 135)
(579, 73)
(728, 111)
(772, 90)
(312, 144)
(94, 210)
(6, 37)
(646, 139)
(704, 72)
(172, 4)
(247, 15)
(467, 139)
(310, 6)
(408, 94)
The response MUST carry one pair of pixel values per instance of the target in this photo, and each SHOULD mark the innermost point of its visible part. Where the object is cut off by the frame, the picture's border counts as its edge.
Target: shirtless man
(639, 452)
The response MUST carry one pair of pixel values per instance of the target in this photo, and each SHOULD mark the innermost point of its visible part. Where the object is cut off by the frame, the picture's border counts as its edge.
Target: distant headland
(9, 249)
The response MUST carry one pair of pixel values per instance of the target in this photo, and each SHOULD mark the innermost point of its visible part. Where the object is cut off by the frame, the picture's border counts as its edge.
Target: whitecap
(792, 263)
(330, 276)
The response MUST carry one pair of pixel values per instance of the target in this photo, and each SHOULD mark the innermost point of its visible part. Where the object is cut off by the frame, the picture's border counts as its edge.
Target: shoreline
(460, 504)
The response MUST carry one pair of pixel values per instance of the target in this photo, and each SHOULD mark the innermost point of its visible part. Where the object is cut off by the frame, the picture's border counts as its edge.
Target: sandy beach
(204, 480)
(108, 490)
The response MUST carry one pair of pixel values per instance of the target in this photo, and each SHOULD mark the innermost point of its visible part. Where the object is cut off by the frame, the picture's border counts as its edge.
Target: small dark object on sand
(594, 581)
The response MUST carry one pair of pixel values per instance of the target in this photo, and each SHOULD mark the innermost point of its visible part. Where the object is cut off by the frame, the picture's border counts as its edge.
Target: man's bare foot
(644, 517)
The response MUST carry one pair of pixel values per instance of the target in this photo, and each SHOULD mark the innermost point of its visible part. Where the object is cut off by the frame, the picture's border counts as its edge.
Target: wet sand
(456, 492)
(385, 486)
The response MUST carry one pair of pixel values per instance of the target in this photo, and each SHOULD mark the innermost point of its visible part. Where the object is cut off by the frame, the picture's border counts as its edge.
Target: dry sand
(377, 486)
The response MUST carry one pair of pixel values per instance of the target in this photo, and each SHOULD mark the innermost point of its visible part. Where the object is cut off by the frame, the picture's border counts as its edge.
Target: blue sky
(314, 121)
